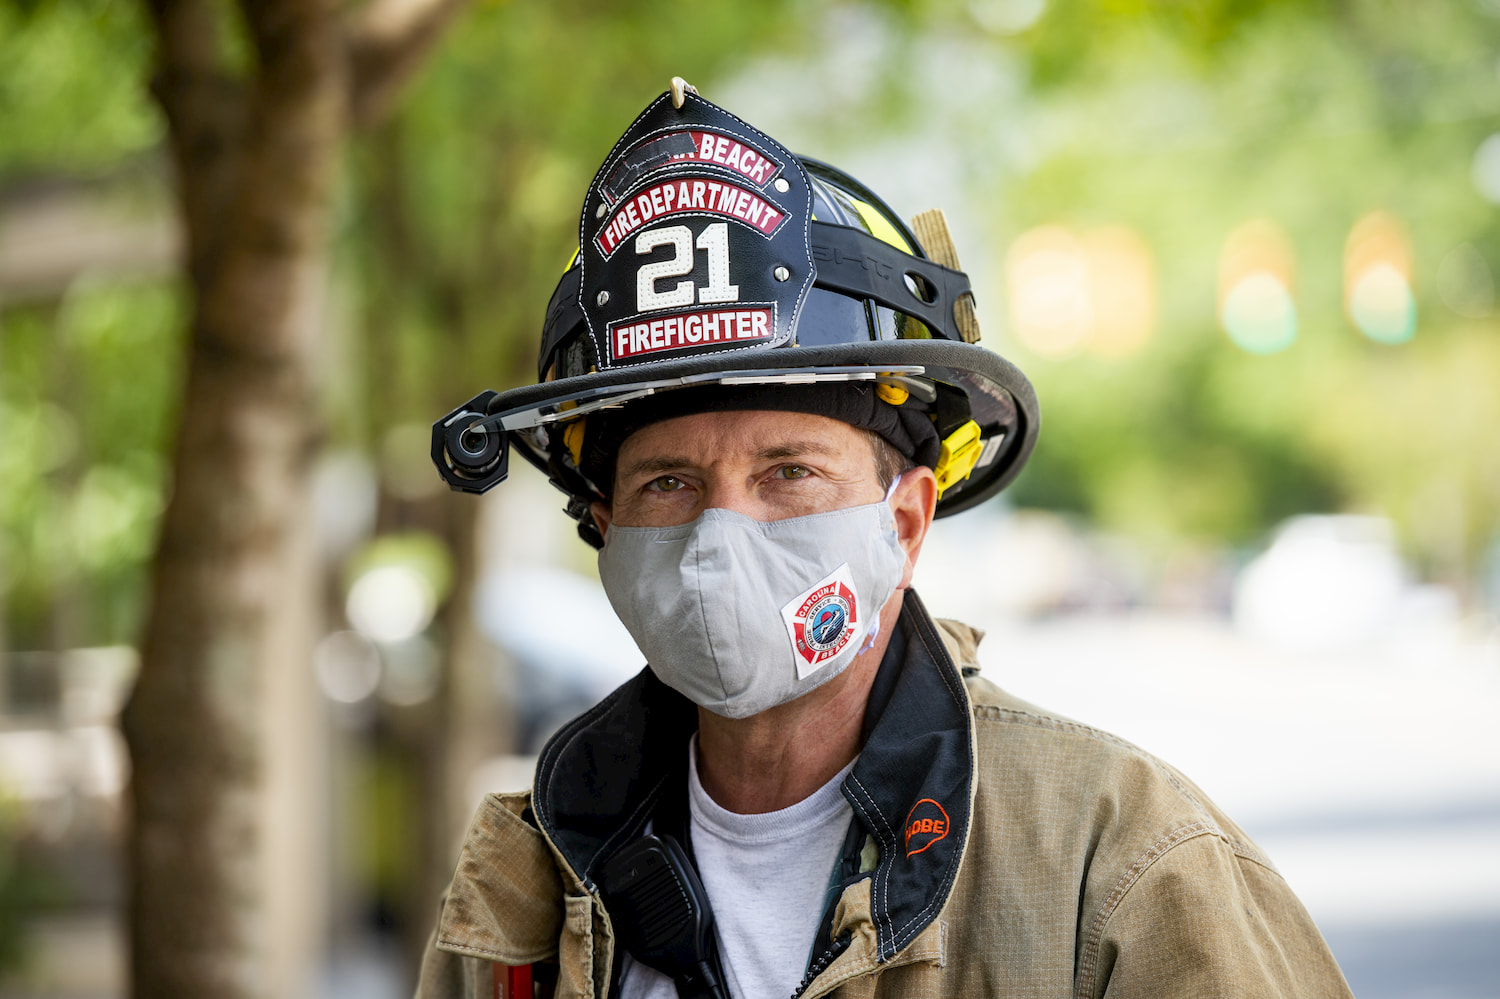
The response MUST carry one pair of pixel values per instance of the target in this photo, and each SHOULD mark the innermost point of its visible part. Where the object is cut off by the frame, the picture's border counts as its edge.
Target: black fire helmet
(718, 270)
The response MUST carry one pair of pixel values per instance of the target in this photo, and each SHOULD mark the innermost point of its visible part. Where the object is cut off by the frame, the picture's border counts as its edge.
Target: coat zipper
(839, 945)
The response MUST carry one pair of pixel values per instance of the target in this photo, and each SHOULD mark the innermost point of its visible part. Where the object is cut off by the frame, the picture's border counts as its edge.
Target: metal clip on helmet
(710, 256)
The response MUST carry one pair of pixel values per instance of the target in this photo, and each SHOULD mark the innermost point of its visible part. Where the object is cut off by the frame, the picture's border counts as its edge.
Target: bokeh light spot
(1007, 17)
(1122, 290)
(1048, 280)
(1377, 279)
(1382, 306)
(391, 603)
(1256, 307)
(1259, 315)
(347, 667)
(1069, 293)
(1485, 169)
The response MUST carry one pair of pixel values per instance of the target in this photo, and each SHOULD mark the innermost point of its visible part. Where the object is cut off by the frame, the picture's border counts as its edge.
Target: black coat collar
(599, 779)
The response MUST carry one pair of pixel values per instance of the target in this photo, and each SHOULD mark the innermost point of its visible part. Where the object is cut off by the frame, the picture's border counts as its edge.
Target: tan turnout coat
(1089, 869)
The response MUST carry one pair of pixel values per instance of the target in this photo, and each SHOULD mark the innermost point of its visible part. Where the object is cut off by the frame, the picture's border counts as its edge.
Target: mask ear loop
(875, 631)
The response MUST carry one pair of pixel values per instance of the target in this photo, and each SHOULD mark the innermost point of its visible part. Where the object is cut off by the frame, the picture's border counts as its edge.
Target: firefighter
(758, 386)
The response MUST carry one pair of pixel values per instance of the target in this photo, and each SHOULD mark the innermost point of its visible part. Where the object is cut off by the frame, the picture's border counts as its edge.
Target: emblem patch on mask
(926, 823)
(823, 620)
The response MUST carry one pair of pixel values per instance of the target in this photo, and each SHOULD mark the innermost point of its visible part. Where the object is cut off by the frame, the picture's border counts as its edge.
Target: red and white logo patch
(823, 620)
(688, 196)
(688, 146)
(639, 336)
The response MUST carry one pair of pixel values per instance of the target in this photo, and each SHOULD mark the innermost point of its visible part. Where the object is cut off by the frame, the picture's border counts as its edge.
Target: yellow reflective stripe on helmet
(573, 259)
(960, 453)
(880, 227)
(573, 440)
(573, 433)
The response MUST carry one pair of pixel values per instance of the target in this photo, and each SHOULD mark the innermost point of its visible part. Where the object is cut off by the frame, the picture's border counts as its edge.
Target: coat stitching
(899, 938)
(888, 849)
(937, 955)
(490, 955)
(1128, 880)
(1015, 716)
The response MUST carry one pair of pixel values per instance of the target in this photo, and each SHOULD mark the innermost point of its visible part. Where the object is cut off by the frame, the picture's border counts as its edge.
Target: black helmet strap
(853, 262)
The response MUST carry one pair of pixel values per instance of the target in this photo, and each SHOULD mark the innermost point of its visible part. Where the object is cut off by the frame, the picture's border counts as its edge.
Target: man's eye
(792, 472)
(666, 484)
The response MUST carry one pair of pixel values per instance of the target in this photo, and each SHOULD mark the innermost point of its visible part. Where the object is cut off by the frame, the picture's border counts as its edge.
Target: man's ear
(600, 510)
(913, 503)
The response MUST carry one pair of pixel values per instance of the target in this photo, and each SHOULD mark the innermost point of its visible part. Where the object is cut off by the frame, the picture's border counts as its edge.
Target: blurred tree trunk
(256, 137)
(444, 740)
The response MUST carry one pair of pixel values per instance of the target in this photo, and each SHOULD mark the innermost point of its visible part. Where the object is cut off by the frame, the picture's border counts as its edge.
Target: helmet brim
(1001, 400)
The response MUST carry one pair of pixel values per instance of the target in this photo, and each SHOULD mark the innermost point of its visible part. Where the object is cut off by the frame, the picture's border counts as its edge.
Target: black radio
(661, 915)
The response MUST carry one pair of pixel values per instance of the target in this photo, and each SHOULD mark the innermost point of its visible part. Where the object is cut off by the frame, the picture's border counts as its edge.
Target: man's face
(765, 464)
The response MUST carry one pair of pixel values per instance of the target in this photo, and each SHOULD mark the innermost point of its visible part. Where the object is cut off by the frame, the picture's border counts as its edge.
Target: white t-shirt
(766, 877)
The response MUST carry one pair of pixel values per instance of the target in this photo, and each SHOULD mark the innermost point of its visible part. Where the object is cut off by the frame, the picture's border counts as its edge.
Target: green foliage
(464, 208)
(1311, 120)
(24, 890)
(87, 391)
(71, 94)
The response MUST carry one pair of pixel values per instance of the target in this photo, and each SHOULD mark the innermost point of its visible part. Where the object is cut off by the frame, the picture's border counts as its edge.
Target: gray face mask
(740, 615)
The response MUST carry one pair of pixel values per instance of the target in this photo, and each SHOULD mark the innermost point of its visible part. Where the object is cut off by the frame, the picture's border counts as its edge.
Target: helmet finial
(680, 89)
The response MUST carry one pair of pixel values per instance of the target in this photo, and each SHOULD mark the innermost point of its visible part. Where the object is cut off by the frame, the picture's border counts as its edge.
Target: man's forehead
(760, 434)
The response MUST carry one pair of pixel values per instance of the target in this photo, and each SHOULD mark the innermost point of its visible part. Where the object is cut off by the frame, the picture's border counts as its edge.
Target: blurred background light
(347, 666)
(1069, 293)
(1258, 314)
(1327, 583)
(1485, 169)
(1377, 280)
(345, 495)
(1382, 305)
(1047, 277)
(1122, 291)
(390, 603)
(1256, 307)
(1007, 17)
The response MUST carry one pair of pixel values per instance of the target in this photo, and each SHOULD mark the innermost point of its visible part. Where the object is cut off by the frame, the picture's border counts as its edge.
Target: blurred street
(1372, 785)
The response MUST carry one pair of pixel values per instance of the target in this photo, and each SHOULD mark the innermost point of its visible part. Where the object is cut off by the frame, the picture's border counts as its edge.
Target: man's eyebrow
(658, 464)
(793, 449)
(773, 452)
